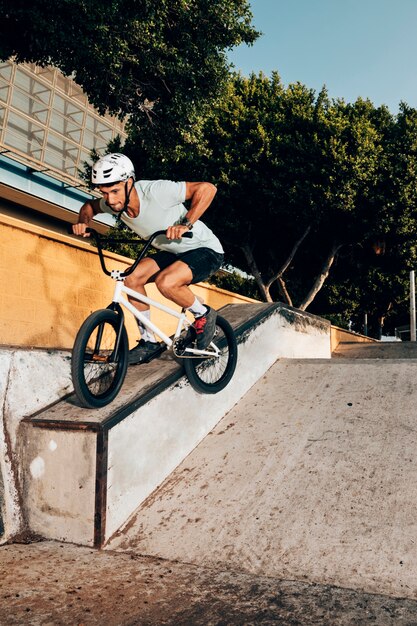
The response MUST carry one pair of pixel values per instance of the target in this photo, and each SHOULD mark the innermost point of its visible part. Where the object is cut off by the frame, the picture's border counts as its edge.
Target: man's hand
(79, 230)
(177, 231)
(87, 212)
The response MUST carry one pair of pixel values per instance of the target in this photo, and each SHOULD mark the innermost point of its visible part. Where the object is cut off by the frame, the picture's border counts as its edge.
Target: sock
(145, 333)
(197, 308)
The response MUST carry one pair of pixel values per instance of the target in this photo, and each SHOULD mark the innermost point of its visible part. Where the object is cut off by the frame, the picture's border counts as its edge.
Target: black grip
(87, 230)
(187, 235)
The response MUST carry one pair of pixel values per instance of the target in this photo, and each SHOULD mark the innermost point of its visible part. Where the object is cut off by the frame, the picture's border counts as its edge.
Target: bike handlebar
(148, 242)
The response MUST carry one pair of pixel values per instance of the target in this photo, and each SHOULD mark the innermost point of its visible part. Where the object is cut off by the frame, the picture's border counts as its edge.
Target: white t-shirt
(161, 206)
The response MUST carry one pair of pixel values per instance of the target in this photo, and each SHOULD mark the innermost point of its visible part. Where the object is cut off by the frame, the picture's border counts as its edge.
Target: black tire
(211, 375)
(97, 372)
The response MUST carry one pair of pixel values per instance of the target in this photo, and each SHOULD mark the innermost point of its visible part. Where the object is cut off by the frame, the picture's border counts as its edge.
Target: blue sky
(355, 48)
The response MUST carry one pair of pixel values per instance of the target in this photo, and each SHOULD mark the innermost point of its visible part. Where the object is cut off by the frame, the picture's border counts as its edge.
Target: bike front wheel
(98, 365)
(212, 374)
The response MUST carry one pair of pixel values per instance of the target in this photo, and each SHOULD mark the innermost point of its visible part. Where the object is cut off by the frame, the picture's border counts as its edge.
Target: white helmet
(112, 168)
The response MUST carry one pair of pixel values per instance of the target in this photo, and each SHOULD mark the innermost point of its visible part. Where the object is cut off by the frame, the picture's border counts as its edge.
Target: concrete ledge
(84, 472)
(29, 381)
(341, 335)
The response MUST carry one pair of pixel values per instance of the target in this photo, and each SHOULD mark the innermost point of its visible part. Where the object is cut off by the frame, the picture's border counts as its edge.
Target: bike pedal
(151, 357)
(156, 354)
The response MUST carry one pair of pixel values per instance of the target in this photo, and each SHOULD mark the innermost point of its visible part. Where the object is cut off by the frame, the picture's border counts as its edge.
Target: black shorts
(203, 262)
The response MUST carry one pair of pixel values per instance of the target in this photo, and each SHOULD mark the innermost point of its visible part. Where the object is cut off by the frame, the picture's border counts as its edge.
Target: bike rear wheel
(212, 374)
(98, 371)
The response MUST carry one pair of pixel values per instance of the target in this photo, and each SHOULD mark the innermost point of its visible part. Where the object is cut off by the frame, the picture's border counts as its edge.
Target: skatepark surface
(298, 508)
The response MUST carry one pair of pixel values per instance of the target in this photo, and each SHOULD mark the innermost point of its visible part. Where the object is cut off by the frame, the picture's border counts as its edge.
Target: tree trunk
(321, 278)
(278, 276)
(283, 291)
(256, 273)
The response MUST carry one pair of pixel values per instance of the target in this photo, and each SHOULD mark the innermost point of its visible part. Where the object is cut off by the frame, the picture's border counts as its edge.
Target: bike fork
(117, 309)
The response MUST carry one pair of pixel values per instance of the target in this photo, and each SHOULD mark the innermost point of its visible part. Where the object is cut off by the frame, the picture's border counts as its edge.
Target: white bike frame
(183, 323)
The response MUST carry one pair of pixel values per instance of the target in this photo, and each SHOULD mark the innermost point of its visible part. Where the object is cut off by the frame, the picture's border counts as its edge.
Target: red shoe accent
(199, 324)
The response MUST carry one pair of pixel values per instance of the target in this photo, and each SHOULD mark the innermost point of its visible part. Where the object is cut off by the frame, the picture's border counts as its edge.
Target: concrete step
(85, 471)
(380, 350)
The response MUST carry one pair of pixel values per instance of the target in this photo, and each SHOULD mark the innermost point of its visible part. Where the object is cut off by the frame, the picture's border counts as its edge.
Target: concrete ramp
(84, 472)
(312, 476)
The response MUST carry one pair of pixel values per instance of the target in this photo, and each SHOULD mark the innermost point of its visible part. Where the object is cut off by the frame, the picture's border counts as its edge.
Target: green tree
(155, 57)
(374, 276)
(291, 169)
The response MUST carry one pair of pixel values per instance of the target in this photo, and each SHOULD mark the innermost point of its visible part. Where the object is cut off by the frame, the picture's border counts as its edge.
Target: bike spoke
(97, 373)
(210, 374)
(99, 370)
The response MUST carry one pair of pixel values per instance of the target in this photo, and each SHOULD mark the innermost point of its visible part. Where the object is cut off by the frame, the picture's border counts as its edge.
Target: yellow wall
(340, 335)
(49, 283)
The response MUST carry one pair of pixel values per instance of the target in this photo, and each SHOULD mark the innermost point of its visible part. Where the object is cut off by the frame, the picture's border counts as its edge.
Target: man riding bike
(145, 207)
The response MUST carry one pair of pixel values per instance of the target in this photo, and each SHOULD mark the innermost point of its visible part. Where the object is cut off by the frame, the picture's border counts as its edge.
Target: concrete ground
(49, 583)
(299, 508)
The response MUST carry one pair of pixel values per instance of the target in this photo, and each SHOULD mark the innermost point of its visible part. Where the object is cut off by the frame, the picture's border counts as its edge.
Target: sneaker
(144, 352)
(204, 328)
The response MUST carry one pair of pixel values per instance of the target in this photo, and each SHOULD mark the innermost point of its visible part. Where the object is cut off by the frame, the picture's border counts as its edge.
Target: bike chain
(179, 347)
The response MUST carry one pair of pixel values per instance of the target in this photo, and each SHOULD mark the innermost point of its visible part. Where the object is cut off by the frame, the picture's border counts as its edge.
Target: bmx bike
(100, 353)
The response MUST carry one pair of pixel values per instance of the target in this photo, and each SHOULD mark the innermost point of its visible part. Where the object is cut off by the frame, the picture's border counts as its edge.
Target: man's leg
(143, 274)
(147, 346)
(173, 282)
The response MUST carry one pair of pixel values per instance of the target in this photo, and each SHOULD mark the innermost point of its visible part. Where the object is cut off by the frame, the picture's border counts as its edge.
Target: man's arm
(87, 212)
(201, 196)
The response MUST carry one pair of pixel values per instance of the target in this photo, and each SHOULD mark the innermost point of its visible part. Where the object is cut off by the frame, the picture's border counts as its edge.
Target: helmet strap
(127, 198)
